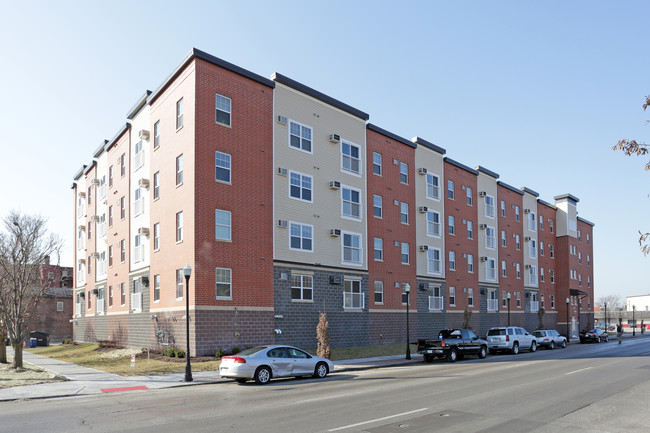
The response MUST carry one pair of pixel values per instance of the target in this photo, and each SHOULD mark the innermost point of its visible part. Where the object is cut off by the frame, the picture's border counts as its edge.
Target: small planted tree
(322, 333)
(467, 318)
(540, 317)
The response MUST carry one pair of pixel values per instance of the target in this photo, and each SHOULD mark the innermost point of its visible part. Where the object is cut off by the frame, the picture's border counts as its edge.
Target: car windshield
(594, 331)
(499, 331)
(449, 333)
(538, 334)
(250, 351)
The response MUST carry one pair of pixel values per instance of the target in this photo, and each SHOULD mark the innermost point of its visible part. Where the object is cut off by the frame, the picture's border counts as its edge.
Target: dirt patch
(158, 356)
(29, 375)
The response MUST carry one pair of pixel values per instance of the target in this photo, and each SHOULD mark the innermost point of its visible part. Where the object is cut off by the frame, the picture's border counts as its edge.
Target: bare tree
(614, 302)
(25, 245)
(322, 333)
(632, 147)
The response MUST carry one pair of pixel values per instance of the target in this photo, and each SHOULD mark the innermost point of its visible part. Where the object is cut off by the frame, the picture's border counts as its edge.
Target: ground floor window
(352, 295)
(302, 287)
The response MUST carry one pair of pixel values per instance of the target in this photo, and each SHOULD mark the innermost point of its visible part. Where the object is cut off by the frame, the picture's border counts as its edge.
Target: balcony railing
(492, 304)
(139, 253)
(136, 301)
(436, 303)
(100, 306)
(353, 300)
(534, 305)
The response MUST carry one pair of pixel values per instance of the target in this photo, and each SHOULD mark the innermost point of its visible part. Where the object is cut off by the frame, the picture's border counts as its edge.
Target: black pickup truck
(452, 344)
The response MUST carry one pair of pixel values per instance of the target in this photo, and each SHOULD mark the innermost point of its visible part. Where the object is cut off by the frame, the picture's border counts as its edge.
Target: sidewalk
(88, 381)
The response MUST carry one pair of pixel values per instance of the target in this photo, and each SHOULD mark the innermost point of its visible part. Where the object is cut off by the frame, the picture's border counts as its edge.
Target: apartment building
(286, 203)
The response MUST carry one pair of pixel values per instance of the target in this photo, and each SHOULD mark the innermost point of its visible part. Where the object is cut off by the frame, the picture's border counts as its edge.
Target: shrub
(220, 353)
(66, 341)
(169, 351)
(180, 353)
(235, 350)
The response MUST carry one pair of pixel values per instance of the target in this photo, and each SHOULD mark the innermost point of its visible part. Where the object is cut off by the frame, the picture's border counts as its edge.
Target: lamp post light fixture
(508, 298)
(606, 327)
(568, 301)
(633, 321)
(407, 290)
(187, 271)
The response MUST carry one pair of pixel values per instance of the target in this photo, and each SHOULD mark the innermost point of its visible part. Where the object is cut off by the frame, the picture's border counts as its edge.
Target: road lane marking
(577, 371)
(378, 419)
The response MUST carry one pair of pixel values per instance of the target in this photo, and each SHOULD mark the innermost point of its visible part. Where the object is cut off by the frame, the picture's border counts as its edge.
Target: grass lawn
(118, 361)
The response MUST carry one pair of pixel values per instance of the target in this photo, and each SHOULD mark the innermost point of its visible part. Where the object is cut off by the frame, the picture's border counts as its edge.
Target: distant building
(53, 313)
(640, 302)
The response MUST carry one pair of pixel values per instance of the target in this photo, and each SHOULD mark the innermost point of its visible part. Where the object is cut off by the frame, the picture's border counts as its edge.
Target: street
(584, 388)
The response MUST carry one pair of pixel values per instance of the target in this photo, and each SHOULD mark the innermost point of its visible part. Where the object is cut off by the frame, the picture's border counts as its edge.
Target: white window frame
(223, 283)
(404, 173)
(221, 225)
(138, 155)
(156, 236)
(489, 206)
(156, 185)
(452, 260)
(451, 221)
(490, 269)
(492, 300)
(222, 163)
(404, 213)
(517, 213)
(532, 275)
(470, 297)
(503, 208)
(179, 170)
(532, 224)
(532, 248)
(377, 204)
(470, 230)
(179, 114)
(303, 284)
(156, 135)
(352, 291)
(376, 163)
(350, 203)
(378, 287)
(306, 232)
(348, 160)
(450, 190)
(378, 247)
(351, 248)
(504, 268)
(470, 198)
(301, 187)
(518, 270)
(404, 253)
(301, 136)
(517, 242)
(490, 238)
(433, 227)
(220, 107)
(433, 190)
(434, 265)
(179, 226)
(452, 296)
(470, 264)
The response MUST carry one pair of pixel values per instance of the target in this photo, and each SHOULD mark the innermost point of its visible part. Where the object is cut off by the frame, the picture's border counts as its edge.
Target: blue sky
(536, 91)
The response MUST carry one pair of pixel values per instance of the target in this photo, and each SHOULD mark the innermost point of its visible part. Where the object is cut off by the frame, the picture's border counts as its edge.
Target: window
(551, 273)
(222, 225)
(156, 185)
(470, 297)
(300, 136)
(470, 263)
(379, 292)
(110, 176)
(156, 135)
(517, 242)
(179, 114)
(351, 248)
(470, 230)
(588, 260)
(403, 172)
(553, 301)
(451, 223)
(541, 227)
(156, 236)
(551, 250)
(351, 202)
(436, 300)
(352, 296)
(468, 190)
(534, 302)
(452, 296)
(518, 270)
(433, 186)
(379, 249)
(179, 226)
(59, 306)
(492, 301)
(587, 238)
(300, 186)
(179, 283)
(404, 213)
(532, 275)
(579, 257)
(516, 213)
(122, 294)
(541, 248)
(376, 163)
(489, 206)
(518, 299)
(541, 277)
(224, 110)
(503, 208)
(532, 249)
(579, 235)
(504, 268)
(350, 158)
(405, 253)
(490, 270)
(122, 161)
(110, 255)
(589, 281)
(532, 224)
(110, 216)
(122, 245)
(223, 282)
(580, 280)
(490, 239)
(302, 287)
(433, 261)
(222, 166)
(138, 249)
(542, 301)
(377, 206)
(156, 287)
(138, 204)
(122, 207)
(450, 189)
(89, 299)
(179, 169)
(110, 296)
(90, 229)
(300, 236)
(139, 155)
(550, 225)
(503, 238)
(433, 223)
(452, 261)
(90, 194)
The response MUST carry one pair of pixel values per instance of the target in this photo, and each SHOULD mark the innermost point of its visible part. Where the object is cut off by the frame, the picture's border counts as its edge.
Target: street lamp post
(407, 290)
(187, 271)
(567, 319)
(508, 298)
(606, 327)
(633, 321)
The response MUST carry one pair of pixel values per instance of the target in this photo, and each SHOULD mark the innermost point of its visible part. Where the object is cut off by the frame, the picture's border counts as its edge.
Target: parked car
(510, 338)
(452, 344)
(266, 362)
(549, 338)
(596, 335)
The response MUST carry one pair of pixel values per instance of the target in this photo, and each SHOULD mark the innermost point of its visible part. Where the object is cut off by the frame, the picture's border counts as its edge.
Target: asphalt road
(584, 388)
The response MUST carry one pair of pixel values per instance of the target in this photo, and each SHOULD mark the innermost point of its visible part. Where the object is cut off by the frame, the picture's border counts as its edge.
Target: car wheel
(428, 359)
(563, 344)
(515, 348)
(482, 353)
(533, 346)
(240, 380)
(552, 346)
(321, 370)
(452, 356)
(262, 375)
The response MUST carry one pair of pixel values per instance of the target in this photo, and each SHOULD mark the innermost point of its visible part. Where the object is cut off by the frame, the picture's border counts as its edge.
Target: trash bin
(32, 342)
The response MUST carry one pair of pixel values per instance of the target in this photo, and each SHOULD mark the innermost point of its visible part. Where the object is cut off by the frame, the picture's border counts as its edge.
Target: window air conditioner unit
(82, 228)
(94, 255)
(482, 194)
(336, 279)
(335, 184)
(94, 182)
(95, 292)
(335, 232)
(143, 183)
(422, 171)
(527, 266)
(143, 134)
(526, 210)
(423, 209)
(483, 226)
(424, 247)
(94, 218)
(282, 171)
(82, 261)
(483, 259)
(82, 194)
(282, 120)
(143, 231)
(335, 138)
(527, 239)
(282, 223)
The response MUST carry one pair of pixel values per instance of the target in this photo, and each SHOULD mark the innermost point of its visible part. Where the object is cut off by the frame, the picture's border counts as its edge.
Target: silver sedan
(266, 362)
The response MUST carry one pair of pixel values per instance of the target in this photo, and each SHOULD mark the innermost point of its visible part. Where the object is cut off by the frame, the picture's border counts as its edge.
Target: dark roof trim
(318, 95)
(459, 165)
(90, 167)
(390, 135)
(511, 188)
(567, 196)
(425, 143)
(529, 191)
(100, 149)
(77, 175)
(486, 171)
(142, 101)
(195, 53)
(540, 201)
(586, 222)
(113, 140)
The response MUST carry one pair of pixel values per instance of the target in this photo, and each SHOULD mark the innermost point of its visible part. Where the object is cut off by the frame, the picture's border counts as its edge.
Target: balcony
(138, 253)
(353, 300)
